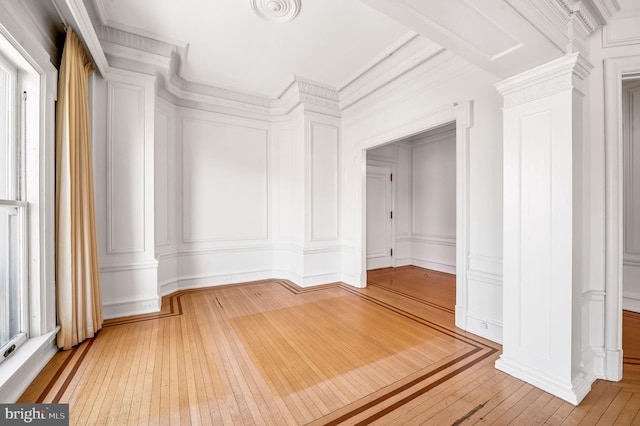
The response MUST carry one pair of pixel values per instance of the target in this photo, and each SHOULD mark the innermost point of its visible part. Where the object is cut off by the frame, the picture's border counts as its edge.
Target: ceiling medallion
(276, 10)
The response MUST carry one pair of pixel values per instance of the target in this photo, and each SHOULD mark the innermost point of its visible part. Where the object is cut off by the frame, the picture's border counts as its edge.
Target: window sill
(19, 370)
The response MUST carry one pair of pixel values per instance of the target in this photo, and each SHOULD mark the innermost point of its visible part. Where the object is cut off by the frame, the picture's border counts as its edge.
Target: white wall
(222, 176)
(433, 224)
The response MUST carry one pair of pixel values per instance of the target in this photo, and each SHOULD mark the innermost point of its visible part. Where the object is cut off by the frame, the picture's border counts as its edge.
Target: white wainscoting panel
(402, 190)
(225, 179)
(324, 146)
(162, 134)
(535, 210)
(434, 186)
(126, 168)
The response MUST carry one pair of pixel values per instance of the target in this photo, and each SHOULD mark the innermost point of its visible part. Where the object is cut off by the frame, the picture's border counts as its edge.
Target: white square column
(543, 248)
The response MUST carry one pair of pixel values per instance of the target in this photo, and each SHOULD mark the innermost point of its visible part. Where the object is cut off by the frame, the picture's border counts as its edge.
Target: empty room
(319, 212)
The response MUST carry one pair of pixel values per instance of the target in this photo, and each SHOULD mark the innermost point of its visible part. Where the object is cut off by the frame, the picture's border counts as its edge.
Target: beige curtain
(77, 274)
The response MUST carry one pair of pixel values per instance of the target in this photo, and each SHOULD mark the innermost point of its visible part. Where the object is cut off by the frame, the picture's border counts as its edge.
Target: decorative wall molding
(106, 268)
(618, 34)
(276, 10)
(200, 132)
(409, 53)
(183, 252)
(484, 277)
(116, 146)
(615, 70)
(557, 76)
(119, 37)
(482, 325)
(631, 301)
(447, 268)
(74, 13)
(124, 308)
(324, 181)
(441, 240)
(126, 49)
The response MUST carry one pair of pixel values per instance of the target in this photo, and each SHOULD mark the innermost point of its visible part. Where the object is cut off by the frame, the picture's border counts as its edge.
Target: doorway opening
(617, 72)
(411, 202)
(459, 119)
(631, 228)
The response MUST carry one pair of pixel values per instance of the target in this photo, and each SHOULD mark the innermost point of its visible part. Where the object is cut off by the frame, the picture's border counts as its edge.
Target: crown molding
(563, 74)
(74, 13)
(141, 52)
(398, 62)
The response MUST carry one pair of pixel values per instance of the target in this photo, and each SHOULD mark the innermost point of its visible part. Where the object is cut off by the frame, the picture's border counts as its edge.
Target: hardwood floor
(269, 352)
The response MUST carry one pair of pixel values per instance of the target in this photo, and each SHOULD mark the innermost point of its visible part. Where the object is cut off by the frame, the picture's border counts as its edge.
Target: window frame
(15, 192)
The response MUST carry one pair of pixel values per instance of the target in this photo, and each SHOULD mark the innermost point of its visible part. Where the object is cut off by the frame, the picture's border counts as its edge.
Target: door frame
(391, 205)
(462, 115)
(615, 71)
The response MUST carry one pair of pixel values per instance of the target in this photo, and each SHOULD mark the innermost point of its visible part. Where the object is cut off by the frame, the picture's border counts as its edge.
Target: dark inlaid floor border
(367, 407)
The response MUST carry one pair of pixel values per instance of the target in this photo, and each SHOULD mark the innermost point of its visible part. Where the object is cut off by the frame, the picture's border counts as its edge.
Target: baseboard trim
(19, 370)
(435, 266)
(573, 392)
(125, 308)
(483, 326)
(613, 365)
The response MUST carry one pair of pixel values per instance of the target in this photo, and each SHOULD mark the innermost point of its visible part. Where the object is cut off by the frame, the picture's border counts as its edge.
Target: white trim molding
(615, 70)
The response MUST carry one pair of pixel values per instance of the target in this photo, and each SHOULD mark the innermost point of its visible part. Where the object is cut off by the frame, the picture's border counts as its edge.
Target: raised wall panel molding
(324, 183)
(225, 249)
(555, 77)
(125, 150)
(441, 240)
(542, 198)
(163, 156)
(631, 261)
(487, 264)
(484, 277)
(206, 214)
(621, 32)
(106, 268)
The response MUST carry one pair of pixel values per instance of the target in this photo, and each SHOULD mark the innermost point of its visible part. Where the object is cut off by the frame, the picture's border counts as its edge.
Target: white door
(379, 217)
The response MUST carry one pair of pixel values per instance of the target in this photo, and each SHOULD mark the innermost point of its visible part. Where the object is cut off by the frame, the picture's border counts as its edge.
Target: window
(13, 216)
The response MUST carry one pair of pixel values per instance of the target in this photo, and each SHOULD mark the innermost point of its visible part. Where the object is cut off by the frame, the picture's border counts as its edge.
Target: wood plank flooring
(269, 352)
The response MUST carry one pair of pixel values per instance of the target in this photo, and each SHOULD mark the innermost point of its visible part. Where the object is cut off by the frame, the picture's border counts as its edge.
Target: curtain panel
(79, 304)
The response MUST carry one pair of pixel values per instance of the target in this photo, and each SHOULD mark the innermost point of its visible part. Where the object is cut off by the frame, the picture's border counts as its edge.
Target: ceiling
(229, 46)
